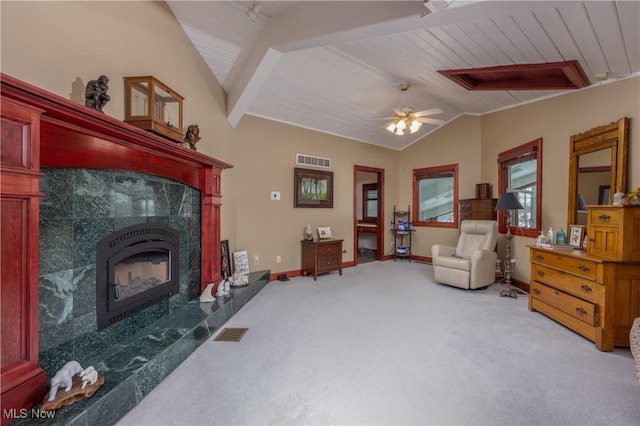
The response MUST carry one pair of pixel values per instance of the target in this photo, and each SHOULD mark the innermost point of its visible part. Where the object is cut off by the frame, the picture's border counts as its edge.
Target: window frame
(366, 187)
(419, 174)
(525, 152)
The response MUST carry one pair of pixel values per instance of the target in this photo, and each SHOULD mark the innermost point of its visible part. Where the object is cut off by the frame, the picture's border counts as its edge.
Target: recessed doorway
(368, 217)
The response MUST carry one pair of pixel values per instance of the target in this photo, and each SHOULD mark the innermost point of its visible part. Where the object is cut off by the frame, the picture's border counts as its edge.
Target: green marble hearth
(132, 368)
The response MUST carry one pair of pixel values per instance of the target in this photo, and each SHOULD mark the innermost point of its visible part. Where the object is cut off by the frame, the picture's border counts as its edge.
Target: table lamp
(507, 202)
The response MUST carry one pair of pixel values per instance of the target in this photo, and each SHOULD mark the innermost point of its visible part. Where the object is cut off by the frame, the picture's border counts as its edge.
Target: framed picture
(312, 188)
(324, 232)
(604, 195)
(576, 235)
(241, 262)
(225, 262)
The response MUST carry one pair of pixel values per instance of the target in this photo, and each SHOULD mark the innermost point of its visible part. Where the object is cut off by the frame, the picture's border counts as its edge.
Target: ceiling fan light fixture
(415, 126)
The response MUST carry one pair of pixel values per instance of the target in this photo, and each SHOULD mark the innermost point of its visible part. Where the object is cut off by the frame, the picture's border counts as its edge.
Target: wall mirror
(597, 167)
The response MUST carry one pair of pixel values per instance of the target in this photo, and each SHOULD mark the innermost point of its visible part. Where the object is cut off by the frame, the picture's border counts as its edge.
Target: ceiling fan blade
(434, 121)
(431, 111)
(380, 118)
(402, 112)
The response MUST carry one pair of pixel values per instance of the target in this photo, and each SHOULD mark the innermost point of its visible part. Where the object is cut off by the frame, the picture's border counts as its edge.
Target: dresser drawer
(573, 284)
(578, 308)
(605, 216)
(582, 267)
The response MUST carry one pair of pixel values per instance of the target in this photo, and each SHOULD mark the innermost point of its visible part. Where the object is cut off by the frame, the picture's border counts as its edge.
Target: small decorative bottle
(550, 236)
(617, 198)
(560, 237)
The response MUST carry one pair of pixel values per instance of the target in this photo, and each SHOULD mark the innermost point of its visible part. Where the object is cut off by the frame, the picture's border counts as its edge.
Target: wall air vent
(310, 160)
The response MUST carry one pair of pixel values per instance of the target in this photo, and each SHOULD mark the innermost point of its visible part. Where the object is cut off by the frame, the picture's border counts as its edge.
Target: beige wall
(455, 143)
(555, 120)
(60, 46)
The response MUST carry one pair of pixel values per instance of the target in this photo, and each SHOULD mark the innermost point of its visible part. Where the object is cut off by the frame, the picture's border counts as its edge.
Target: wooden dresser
(321, 256)
(595, 293)
(478, 209)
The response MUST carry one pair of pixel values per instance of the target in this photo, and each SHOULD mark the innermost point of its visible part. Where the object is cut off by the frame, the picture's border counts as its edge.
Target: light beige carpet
(385, 345)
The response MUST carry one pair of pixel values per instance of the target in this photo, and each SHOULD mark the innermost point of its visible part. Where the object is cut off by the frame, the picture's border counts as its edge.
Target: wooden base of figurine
(75, 394)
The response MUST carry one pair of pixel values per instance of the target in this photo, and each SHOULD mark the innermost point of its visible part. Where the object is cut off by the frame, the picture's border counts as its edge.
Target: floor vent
(310, 160)
(231, 334)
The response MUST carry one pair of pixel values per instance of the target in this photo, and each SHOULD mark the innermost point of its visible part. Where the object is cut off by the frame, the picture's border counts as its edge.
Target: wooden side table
(319, 257)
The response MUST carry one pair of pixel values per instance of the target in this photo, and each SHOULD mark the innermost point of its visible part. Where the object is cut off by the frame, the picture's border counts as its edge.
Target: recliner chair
(472, 263)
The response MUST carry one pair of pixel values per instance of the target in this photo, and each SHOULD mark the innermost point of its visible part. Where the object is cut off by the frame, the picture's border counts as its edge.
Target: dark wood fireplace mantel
(70, 135)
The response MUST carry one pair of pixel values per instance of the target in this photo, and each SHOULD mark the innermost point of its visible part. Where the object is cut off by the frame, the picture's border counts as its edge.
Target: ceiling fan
(406, 119)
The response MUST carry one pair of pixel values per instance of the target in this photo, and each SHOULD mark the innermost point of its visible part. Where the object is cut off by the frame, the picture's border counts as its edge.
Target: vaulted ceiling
(336, 66)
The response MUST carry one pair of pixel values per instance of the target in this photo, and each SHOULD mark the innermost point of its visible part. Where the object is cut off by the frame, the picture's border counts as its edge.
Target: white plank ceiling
(336, 66)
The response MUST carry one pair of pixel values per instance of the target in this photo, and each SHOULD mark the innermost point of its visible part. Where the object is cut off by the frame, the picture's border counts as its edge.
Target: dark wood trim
(534, 146)
(595, 169)
(540, 76)
(429, 170)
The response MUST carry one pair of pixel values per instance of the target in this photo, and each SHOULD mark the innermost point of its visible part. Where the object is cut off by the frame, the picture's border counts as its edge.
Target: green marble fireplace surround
(79, 207)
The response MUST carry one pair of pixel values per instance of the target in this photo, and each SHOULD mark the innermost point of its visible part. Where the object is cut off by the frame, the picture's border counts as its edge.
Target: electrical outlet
(278, 259)
(256, 260)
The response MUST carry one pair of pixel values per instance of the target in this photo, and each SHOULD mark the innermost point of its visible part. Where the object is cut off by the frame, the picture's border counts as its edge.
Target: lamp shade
(508, 201)
(582, 205)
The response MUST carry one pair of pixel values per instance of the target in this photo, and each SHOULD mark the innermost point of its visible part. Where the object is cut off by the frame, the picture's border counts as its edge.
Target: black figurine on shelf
(192, 136)
(96, 93)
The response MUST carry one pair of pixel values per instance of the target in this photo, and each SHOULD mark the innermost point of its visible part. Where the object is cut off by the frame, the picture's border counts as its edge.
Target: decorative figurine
(207, 295)
(308, 235)
(221, 290)
(89, 376)
(238, 279)
(64, 378)
(95, 95)
(192, 137)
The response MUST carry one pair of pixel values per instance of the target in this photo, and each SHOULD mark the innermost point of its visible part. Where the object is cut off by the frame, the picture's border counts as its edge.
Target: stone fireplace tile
(179, 200)
(84, 291)
(57, 186)
(93, 193)
(159, 203)
(86, 234)
(56, 245)
(56, 299)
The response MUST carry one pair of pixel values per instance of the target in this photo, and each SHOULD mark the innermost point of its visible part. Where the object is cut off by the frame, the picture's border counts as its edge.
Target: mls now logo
(23, 413)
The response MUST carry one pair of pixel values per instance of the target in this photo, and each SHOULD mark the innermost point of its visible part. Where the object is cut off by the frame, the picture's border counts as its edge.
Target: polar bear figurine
(64, 377)
(89, 376)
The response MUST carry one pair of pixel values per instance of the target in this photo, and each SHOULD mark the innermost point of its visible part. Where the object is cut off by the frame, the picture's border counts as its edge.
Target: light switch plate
(275, 196)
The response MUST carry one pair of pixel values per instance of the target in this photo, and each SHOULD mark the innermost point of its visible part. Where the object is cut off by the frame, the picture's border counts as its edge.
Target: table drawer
(578, 308)
(329, 250)
(605, 216)
(573, 284)
(328, 263)
(582, 267)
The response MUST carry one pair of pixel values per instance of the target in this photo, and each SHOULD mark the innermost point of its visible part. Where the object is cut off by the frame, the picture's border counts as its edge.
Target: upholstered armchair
(472, 263)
